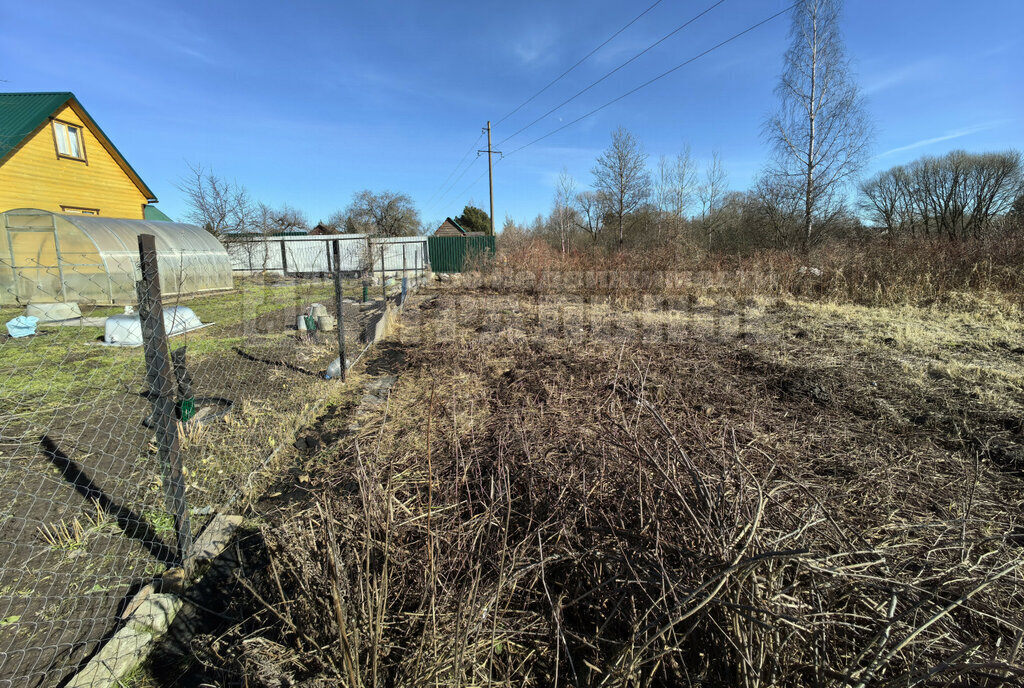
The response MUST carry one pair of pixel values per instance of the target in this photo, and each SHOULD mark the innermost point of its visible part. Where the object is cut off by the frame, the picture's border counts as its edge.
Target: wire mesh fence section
(84, 519)
(312, 255)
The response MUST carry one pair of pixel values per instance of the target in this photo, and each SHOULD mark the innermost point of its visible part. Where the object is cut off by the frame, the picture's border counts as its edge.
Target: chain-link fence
(124, 427)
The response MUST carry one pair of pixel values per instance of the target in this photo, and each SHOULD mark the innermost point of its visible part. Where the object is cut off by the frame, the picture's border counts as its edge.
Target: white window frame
(77, 210)
(62, 135)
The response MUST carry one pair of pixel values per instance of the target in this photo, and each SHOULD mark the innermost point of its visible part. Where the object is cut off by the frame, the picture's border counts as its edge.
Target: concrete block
(129, 646)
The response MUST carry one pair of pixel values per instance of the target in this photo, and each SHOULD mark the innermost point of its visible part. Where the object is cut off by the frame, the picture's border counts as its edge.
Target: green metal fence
(457, 254)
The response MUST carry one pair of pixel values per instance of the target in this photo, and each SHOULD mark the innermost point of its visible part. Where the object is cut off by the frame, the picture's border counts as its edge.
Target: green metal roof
(23, 113)
(151, 212)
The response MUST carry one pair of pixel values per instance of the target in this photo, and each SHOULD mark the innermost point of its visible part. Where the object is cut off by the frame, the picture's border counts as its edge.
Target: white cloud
(535, 46)
(956, 134)
(915, 71)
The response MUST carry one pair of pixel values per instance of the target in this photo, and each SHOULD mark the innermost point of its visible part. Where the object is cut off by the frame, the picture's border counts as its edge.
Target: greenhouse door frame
(52, 229)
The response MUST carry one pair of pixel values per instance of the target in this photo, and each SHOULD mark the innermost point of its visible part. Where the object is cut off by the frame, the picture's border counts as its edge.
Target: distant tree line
(807, 193)
(956, 196)
(685, 206)
(227, 210)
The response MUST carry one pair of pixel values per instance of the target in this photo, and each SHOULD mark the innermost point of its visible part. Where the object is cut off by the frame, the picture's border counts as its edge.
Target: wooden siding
(447, 229)
(34, 177)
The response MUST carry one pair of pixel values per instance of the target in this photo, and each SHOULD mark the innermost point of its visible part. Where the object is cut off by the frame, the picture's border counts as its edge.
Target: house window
(80, 211)
(69, 140)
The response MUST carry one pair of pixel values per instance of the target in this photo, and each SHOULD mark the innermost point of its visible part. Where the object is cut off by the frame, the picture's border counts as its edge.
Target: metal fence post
(336, 247)
(383, 277)
(405, 282)
(161, 390)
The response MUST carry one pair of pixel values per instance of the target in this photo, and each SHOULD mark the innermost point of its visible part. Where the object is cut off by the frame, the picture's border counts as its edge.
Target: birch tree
(710, 195)
(621, 177)
(674, 187)
(821, 133)
(564, 212)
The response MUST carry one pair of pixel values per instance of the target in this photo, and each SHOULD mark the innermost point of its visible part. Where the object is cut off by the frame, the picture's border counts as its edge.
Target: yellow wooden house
(53, 156)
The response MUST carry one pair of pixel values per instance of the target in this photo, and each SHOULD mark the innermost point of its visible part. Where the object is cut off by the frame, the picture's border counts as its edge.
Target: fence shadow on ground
(131, 523)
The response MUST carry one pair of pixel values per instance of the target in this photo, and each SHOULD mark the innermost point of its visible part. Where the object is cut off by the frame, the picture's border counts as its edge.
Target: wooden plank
(214, 539)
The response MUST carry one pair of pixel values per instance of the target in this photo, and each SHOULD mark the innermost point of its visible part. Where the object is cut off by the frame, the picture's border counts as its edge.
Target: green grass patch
(67, 366)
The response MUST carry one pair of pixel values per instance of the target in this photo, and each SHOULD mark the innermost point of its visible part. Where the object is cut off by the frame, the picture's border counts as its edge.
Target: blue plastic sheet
(22, 326)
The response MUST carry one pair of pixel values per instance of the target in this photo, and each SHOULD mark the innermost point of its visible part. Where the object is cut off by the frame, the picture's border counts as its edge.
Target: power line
(465, 155)
(581, 61)
(473, 183)
(660, 76)
(608, 74)
(448, 191)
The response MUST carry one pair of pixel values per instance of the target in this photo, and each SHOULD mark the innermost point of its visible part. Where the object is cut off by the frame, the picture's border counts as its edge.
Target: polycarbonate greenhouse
(49, 257)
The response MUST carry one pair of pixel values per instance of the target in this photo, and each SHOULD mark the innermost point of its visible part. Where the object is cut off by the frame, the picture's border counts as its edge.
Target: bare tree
(710, 195)
(884, 199)
(564, 213)
(821, 133)
(664, 190)
(287, 219)
(674, 188)
(673, 191)
(387, 213)
(621, 176)
(957, 195)
(219, 206)
(776, 210)
(591, 207)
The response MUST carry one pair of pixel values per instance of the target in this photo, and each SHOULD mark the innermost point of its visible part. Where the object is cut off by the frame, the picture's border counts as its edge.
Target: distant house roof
(22, 114)
(450, 228)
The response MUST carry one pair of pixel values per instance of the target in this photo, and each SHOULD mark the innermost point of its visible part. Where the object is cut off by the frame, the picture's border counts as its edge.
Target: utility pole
(490, 170)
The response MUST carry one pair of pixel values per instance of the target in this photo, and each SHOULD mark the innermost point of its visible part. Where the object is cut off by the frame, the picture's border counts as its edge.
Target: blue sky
(308, 102)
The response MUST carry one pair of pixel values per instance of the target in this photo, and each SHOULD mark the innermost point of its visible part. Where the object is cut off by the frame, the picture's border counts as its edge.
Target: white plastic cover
(126, 330)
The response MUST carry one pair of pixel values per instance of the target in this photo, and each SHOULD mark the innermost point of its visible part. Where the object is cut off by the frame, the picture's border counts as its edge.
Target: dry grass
(959, 275)
(588, 491)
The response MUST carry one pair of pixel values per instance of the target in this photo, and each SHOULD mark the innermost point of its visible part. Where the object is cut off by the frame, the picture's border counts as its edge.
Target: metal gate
(458, 254)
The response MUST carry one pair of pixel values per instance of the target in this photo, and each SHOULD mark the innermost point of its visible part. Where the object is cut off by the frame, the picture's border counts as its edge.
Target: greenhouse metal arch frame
(50, 257)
